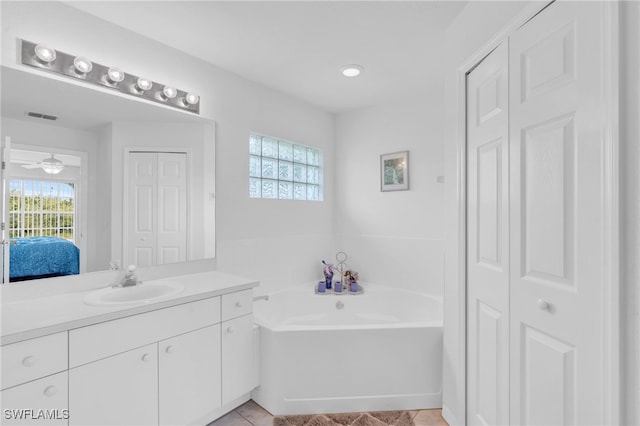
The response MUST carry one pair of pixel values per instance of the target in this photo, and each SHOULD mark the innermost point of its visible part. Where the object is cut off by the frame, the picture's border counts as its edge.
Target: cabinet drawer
(49, 394)
(237, 304)
(32, 359)
(112, 337)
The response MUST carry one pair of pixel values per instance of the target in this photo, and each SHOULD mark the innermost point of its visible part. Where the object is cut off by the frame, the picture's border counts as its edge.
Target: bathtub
(381, 350)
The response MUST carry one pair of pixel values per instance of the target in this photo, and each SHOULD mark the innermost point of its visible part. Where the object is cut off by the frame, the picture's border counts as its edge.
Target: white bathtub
(381, 351)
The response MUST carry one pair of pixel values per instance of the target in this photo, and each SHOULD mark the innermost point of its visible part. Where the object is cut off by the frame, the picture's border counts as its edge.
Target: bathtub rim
(309, 286)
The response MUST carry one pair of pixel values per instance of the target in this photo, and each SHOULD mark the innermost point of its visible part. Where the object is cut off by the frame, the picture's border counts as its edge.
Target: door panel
(548, 393)
(556, 217)
(487, 243)
(143, 216)
(172, 207)
(158, 208)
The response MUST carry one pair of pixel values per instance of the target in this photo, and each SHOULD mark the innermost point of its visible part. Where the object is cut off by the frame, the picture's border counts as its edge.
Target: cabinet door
(42, 401)
(189, 376)
(119, 390)
(237, 358)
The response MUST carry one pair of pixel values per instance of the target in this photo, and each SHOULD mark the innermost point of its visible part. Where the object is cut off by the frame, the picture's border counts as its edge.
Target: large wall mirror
(97, 180)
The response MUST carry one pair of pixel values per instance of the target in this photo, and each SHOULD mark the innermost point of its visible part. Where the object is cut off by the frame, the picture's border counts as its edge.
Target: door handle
(543, 305)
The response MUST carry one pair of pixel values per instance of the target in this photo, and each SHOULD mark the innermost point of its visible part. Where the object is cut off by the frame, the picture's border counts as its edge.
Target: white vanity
(183, 359)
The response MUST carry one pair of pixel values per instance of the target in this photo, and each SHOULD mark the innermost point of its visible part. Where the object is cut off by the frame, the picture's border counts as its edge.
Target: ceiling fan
(52, 165)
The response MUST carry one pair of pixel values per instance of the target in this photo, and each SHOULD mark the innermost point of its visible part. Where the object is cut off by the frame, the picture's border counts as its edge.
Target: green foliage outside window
(41, 209)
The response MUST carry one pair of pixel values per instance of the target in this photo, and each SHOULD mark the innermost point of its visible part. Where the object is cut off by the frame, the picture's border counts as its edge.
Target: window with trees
(42, 208)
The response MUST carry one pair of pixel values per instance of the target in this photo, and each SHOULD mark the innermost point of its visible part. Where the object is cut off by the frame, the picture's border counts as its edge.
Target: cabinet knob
(229, 329)
(50, 391)
(29, 361)
(543, 305)
(169, 349)
(146, 358)
(238, 305)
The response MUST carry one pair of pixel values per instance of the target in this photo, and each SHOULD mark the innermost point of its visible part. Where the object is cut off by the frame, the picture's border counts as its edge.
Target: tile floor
(251, 414)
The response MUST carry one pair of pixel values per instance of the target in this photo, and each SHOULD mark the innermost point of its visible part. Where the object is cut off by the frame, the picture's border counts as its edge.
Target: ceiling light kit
(79, 67)
(51, 165)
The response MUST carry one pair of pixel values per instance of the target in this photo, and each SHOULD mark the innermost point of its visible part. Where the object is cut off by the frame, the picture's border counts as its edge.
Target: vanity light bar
(81, 68)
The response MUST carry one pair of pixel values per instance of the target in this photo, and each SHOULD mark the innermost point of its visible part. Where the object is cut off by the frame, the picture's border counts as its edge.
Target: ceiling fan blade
(31, 166)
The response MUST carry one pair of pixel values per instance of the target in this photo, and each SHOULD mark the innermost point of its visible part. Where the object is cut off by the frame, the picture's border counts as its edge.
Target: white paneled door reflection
(535, 226)
(157, 214)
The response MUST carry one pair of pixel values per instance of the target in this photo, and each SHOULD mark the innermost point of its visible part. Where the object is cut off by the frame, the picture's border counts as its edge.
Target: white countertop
(30, 317)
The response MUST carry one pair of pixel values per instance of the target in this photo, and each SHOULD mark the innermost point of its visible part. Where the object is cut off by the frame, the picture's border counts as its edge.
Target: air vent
(43, 116)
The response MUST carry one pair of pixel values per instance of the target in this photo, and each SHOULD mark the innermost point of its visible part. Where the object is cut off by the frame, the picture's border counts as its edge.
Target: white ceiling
(298, 47)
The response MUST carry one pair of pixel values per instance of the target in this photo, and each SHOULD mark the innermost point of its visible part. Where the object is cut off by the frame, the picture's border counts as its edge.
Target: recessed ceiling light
(352, 70)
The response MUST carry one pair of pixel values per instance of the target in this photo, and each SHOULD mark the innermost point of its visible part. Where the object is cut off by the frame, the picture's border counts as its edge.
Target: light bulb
(82, 65)
(115, 75)
(45, 54)
(191, 99)
(143, 84)
(169, 92)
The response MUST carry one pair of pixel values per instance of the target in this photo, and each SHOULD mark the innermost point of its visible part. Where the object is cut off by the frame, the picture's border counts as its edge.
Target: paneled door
(488, 240)
(537, 230)
(557, 217)
(157, 212)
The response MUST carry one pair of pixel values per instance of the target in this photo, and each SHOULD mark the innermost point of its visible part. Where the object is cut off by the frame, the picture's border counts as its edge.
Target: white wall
(32, 133)
(280, 243)
(103, 187)
(393, 238)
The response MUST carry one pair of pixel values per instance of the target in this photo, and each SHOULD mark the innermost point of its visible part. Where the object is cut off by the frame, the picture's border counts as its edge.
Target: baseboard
(448, 415)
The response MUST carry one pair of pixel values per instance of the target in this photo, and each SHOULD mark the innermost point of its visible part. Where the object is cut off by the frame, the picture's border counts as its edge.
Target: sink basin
(142, 293)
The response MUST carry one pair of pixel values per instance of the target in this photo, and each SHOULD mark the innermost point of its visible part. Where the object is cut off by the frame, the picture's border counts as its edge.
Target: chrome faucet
(129, 279)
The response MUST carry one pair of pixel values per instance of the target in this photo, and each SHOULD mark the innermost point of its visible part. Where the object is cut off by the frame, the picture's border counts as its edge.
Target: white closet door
(157, 208)
(488, 241)
(557, 205)
(143, 208)
(172, 207)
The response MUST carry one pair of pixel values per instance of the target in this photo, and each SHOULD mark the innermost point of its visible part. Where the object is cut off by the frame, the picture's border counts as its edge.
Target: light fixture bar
(98, 74)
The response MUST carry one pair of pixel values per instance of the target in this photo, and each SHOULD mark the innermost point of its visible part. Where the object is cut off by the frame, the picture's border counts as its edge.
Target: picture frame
(394, 171)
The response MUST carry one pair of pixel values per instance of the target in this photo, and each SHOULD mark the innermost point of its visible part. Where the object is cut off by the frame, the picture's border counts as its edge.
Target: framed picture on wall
(394, 171)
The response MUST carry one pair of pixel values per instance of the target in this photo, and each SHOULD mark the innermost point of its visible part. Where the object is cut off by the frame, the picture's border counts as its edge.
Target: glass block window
(284, 170)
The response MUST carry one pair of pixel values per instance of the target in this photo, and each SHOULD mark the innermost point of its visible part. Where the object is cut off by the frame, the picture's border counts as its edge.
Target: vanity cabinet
(237, 345)
(34, 378)
(237, 358)
(47, 397)
(189, 376)
(186, 364)
(120, 389)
